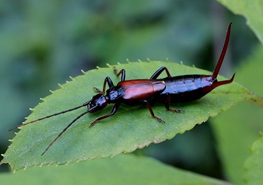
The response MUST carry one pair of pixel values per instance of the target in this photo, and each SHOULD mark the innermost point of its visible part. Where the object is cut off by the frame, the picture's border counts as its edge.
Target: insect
(176, 89)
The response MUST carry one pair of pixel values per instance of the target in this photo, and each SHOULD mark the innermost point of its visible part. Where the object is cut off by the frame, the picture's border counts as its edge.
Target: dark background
(42, 43)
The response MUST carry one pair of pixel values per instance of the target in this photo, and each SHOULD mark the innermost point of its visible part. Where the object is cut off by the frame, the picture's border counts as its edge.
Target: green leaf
(129, 129)
(237, 128)
(124, 169)
(254, 164)
(251, 10)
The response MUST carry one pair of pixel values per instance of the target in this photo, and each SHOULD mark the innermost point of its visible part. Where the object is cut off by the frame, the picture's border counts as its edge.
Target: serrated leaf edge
(139, 146)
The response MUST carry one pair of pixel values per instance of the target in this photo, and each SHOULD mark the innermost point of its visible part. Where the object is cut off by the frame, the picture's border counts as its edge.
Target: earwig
(175, 89)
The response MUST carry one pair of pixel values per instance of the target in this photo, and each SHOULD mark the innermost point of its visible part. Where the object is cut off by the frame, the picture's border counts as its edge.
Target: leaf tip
(107, 64)
(97, 67)
(167, 60)
(148, 60)
(127, 60)
(71, 78)
(83, 72)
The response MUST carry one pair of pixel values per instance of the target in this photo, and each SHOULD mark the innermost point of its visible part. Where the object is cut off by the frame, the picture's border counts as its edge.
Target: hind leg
(167, 105)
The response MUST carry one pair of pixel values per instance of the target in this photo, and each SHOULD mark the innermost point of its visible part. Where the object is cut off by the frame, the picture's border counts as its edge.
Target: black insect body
(176, 89)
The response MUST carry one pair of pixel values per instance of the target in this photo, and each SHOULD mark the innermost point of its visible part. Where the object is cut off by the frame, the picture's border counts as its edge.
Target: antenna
(49, 116)
(63, 131)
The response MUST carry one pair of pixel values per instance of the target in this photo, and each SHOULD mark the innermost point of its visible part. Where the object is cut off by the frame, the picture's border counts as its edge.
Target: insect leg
(159, 71)
(167, 105)
(110, 84)
(151, 111)
(97, 90)
(63, 131)
(113, 111)
(122, 72)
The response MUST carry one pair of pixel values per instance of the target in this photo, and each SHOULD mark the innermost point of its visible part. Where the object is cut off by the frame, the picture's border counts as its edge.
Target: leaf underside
(130, 128)
(251, 10)
(141, 170)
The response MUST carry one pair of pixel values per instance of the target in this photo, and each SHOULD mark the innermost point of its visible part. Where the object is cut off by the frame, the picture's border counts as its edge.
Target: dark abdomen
(187, 87)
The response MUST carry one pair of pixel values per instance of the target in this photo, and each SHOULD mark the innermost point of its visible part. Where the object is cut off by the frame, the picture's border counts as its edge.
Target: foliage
(126, 168)
(253, 165)
(251, 10)
(124, 132)
(237, 127)
(41, 43)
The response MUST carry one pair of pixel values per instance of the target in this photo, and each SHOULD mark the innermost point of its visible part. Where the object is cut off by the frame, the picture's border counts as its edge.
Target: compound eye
(98, 102)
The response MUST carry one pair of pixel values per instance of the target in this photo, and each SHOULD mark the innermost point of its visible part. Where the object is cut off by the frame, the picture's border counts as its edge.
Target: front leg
(97, 90)
(113, 111)
(167, 105)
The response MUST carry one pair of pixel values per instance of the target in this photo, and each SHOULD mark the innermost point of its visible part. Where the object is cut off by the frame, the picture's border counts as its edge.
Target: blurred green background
(42, 43)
